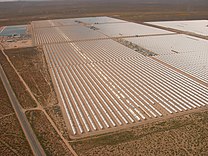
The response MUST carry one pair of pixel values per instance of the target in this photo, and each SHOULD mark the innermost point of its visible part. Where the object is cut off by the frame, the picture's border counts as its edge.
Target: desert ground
(137, 11)
(13, 140)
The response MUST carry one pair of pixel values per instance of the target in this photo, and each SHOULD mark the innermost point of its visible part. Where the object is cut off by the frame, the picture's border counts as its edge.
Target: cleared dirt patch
(12, 139)
(23, 96)
(48, 137)
(185, 135)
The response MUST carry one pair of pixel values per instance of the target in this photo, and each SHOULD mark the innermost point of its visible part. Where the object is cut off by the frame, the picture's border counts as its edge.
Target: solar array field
(171, 44)
(104, 86)
(187, 53)
(129, 29)
(91, 51)
(51, 31)
(199, 27)
(193, 63)
(65, 34)
(76, 21)
(100, 20)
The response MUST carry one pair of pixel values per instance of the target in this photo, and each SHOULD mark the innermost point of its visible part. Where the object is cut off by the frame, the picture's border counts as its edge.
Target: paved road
(33, 141)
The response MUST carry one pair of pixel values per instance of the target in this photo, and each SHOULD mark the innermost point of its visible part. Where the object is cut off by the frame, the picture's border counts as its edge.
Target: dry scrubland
(46, 134)
(185, 135)
(56, 115)
(5, 106)
(22, 95)
(12, 139)
(31, 64)
(134, 10)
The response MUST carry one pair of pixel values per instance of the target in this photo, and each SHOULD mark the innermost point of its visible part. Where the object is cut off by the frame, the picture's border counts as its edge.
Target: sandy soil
(56, 115)
(48, 137)
(30, 63)
(18, 44)
(5, 105)
(26, 101)
(12, 139)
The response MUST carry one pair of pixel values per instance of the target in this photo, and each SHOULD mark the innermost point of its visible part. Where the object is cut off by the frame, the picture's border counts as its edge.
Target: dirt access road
(34, 143)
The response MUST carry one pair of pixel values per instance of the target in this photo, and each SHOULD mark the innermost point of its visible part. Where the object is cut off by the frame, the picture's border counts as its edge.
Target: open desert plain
(104, 78)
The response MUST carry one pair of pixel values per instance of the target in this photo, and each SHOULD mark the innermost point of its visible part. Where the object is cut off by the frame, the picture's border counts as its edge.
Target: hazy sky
(7, 0)
(22, 0)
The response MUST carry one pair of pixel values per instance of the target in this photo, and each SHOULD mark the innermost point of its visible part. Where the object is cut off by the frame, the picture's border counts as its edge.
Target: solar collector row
(193, 26)
(171, 44)
(75, 21)
(121, 92)
(193, 63)
(64, 34)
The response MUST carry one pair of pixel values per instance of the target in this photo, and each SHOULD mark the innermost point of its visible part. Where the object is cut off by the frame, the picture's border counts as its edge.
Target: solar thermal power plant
(193, 63)
(129, 29)
(100, 20)
(171, 44)
(65, 34)
(104, 85)
(56, 22)
(199, 27)
(75, 21)
(187, 53)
